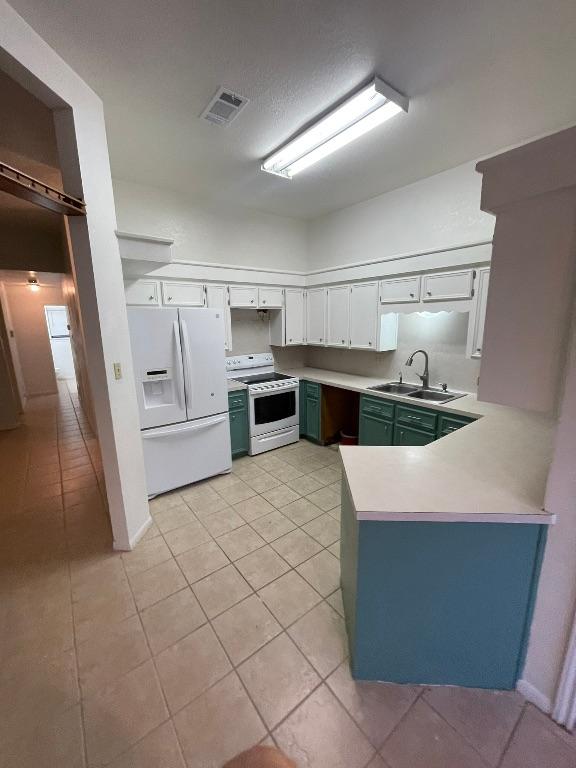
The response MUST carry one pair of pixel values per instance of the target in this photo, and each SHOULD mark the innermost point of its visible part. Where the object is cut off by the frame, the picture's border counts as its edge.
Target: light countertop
(493, 470)
(234, 385)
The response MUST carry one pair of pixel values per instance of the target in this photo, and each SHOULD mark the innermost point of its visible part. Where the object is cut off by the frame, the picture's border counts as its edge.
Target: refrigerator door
(157, 355)
(202, 332)
(185, 453)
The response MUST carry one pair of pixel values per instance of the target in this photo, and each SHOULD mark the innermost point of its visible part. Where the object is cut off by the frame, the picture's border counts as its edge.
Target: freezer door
(202, 332)
(185, 453)
(157, 356)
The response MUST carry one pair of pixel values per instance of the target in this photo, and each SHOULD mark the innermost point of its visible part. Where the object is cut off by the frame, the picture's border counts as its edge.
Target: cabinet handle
(411, 295)
(369, 343)
(428, 293)
(478, 349)
(289, 339)
(263, 301)
(251, 301)
(169, 298)
(233, 418)
(150, 298)
(343, 342)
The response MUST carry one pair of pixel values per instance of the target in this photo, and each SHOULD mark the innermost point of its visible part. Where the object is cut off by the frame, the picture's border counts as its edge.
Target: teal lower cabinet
(376, 425)
(387, 422)
(310, 410)
(439, 603)
(239, 431)
(408, 436)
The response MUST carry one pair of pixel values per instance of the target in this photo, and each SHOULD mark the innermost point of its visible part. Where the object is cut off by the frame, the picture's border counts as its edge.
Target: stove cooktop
(261, 378)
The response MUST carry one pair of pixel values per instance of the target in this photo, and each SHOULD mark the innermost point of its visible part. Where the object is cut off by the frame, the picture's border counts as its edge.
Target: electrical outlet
(117, 371)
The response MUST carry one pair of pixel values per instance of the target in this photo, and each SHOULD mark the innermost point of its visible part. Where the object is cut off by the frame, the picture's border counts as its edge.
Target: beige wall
(29, 326)
(216, 234)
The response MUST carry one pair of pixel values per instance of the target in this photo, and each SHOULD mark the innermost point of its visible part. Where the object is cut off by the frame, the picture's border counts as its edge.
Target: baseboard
(534, 696)
(131, 543)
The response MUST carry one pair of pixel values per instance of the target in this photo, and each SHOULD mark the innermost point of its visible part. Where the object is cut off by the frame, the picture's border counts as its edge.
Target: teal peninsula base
(438, 603)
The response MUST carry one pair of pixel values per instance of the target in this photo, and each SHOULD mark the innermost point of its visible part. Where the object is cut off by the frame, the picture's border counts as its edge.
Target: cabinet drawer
(376, 407)
(410, 436)
(183, 294)
(142, 293)
(237, 400)
(272, 298)
(447, 286)
(312, 390)
(401, 290)
(447, 424)
(243, 296)
(416, 417)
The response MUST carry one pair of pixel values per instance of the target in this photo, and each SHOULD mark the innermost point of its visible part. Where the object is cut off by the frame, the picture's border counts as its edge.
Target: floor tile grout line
(510, 739)
(424, 688)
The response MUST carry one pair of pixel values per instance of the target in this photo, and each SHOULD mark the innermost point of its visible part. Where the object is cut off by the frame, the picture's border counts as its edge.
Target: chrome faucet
(425, 376)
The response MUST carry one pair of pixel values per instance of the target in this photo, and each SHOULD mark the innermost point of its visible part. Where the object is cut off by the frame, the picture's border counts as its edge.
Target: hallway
(221, 629)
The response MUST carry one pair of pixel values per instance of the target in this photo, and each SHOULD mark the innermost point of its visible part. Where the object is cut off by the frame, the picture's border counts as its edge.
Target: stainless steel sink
(395, 388)
(435, 395)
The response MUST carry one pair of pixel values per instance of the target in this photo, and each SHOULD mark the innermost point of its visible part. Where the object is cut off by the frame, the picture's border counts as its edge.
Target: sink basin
(395, 388)
(434, 395)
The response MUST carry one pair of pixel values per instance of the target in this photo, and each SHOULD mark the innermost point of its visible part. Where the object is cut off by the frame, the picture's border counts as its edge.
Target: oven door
(274, 410)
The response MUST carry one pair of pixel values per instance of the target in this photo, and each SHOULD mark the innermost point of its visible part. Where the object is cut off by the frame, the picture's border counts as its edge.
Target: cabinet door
(141, 293)
(316, 316)
(294, 309)
(446, 286)
(313, 418)
(338, 316)
(400, 290)
(374, 431)
(478, 314)
(270, 298)
(217, 298)
(409, 436)
(363, 315)
(238, 423)
(243, 296)
(184, 294)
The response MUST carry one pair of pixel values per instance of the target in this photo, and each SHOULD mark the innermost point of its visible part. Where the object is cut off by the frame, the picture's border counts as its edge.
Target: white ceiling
(481, 75)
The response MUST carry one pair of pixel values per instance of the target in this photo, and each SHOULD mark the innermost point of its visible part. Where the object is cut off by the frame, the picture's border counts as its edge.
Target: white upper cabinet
(363, 315)
(400, 290)
(447, 286)
(478, 314)
(294, 316)
(217, 298)
(338, 316)
(316, 316)
(183, 294)
(270, 298)
(142, 293)
(243, 296)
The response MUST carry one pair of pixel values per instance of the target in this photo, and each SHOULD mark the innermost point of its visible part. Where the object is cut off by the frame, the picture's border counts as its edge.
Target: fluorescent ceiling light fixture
(363, 111)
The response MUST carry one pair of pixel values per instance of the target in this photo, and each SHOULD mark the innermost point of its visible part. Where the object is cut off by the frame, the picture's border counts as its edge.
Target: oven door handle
(269, 392)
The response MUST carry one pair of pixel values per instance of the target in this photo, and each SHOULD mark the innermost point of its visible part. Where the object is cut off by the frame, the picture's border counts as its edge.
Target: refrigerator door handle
(187, 357)
(178, 367)
(182, 429)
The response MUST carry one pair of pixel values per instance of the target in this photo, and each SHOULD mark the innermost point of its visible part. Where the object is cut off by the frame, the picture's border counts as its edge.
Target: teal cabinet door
(375, 431)
(239, 433)
(302, 407)
(313, 418)
(409, 436)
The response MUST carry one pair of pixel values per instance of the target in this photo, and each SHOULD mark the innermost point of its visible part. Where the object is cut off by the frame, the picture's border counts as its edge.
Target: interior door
(202, 333)
(157, 356)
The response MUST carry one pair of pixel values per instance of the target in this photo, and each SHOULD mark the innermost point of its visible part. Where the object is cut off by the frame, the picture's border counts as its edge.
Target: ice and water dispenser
(158, 387)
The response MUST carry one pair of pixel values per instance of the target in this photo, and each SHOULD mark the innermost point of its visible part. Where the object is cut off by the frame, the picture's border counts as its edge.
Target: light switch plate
(117, 371)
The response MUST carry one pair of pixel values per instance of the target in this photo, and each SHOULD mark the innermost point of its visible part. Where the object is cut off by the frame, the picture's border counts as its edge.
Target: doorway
(59, 334)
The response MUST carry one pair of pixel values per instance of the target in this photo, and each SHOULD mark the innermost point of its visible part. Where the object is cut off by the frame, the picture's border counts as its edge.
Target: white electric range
(273, 401)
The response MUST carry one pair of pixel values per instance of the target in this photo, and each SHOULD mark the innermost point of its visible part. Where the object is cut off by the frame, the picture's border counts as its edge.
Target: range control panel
(246, 362)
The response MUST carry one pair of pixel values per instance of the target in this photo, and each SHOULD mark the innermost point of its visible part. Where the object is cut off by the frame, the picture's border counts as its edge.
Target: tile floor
(223, 628)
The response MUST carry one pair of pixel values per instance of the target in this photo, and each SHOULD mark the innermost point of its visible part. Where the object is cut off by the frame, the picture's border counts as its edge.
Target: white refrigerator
(182, 394)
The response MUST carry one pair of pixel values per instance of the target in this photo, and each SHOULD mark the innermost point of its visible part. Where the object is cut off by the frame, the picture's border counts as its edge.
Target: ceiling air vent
(223, 107)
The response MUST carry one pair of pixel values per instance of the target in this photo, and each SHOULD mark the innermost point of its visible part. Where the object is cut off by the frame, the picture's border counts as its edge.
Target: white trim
(145, 238)
(467, 254)
(534, 696)
(564, 711)
(127, 547)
